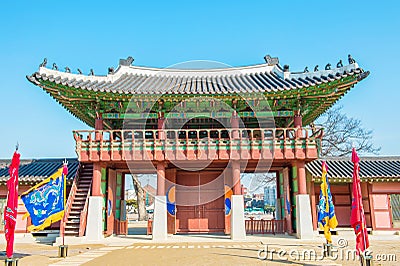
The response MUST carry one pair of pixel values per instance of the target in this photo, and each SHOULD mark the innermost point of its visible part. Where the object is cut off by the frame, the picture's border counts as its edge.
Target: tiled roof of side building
(35, 170)
(263, 78)
(377, 168)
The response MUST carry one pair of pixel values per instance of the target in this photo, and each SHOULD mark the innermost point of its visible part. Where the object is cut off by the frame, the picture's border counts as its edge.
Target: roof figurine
(306, 70)
(126, 62)
(271, 61)
(351, 59)
(44, 63)
(54, 66)
(110, 70)
(286, 68)
(79, 71)
(91, 73)
(316, 68)
(328, 66)
(67, 70)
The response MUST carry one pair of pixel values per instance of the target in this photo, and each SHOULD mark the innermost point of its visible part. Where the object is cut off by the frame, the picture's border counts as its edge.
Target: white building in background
(130, 194)
(270, 195)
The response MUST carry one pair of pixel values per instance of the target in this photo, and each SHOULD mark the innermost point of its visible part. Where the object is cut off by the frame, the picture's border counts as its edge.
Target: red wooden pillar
(237, 188)
(313, 205)
(161, 179)
(235, 125)
(111, 201)
(287, 200)
(298, 124)
(160, 125)
(96, 181)
(301, 177)
(98, 125)
(170, 186)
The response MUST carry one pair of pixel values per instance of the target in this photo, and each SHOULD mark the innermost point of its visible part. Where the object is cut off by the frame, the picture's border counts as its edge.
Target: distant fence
(265, 226)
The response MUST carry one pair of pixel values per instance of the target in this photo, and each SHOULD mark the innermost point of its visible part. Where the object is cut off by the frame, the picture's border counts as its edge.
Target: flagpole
(362, 216)
(63, 220)
(11, 210)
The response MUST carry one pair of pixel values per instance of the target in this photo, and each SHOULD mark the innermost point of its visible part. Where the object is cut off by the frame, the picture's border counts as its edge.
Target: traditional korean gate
(203, 195)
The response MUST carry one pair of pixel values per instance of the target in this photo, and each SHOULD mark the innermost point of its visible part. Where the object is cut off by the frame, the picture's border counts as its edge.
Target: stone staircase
(83, 185)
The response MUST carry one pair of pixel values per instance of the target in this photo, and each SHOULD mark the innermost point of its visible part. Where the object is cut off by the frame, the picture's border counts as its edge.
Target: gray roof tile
(370, 167)
(141, 80)
(37, 170)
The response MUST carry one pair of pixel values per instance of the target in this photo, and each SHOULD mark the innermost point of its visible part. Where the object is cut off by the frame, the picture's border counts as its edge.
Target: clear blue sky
(84, 34)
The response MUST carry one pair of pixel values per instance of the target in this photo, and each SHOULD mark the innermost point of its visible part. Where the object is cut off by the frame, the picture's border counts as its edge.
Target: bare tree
(140, 198)
(342, 132)
(259, 180)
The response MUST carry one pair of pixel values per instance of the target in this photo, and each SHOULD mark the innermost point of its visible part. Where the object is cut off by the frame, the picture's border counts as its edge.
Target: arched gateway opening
(197, 130)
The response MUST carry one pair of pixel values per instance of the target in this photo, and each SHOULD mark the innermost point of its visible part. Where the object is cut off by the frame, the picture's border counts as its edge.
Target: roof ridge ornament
(126, 62)
(286, 68)
(351, 59)
(271, 61)
(54, 66)
(44, 63)
(339, 64)
(328, 66)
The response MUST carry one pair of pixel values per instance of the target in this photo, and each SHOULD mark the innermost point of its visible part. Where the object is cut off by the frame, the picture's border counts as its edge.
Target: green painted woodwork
(118, 196)
(103, 188)
(295, 187)
(293, 211)
(294, 172)
(312, 101)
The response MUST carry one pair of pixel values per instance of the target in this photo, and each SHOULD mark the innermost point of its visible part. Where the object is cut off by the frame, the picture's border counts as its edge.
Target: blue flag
(326, 211)
(45, 202)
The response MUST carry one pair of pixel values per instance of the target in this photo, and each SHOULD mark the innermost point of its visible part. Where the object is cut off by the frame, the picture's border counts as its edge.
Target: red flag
(357, 219)
(10, 213)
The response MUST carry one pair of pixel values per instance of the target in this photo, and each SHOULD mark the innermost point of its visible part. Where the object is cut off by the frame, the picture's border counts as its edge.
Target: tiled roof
(36, 170)
(143, 80)
(382, 168)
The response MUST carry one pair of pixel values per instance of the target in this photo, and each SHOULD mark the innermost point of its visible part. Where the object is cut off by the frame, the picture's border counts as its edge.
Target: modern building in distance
(270, 195)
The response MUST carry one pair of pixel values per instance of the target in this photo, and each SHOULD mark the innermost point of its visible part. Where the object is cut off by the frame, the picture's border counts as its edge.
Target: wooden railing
(265, 226)
(70, 200)
(94, 145)
(83, 216)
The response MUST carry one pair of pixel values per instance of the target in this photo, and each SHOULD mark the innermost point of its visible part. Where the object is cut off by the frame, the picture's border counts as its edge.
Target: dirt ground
(43, 254)
(284, 251)
(231, 254)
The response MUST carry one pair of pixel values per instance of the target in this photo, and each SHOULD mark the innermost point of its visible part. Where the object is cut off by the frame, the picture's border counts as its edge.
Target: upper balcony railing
(198, 144)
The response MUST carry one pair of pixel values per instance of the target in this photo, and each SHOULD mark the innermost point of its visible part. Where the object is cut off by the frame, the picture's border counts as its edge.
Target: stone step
(72, 227)
(73, 233)
(77, 207)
